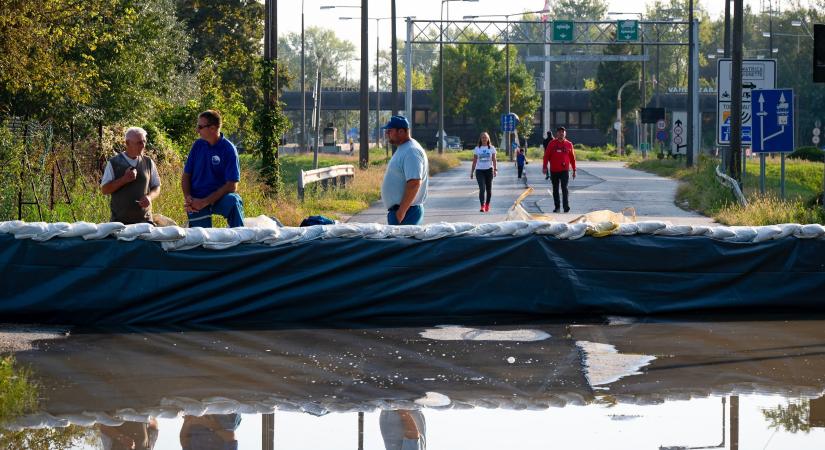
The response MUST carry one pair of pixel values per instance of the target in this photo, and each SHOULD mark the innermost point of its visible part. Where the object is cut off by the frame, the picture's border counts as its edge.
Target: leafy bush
(808, 154)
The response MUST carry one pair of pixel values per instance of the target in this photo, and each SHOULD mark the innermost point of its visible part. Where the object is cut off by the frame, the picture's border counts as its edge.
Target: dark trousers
(485, 184)
(520, 169)
(560, 178)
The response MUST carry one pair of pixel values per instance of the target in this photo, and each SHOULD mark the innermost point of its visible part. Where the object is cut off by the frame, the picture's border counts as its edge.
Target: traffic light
(819, 53)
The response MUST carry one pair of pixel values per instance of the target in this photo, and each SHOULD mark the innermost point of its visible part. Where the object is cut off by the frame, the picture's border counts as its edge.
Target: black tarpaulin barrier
(72, 281)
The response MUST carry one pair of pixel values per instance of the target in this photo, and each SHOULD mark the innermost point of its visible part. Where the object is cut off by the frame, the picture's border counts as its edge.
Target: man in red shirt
(559, 153)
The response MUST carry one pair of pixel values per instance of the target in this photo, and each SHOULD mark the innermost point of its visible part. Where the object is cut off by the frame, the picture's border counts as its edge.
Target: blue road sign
(772, 111)
(661, 135)
(508, 122)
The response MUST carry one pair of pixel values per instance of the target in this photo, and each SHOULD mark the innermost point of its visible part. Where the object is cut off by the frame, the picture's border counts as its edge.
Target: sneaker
(482, 208)
(567, 209)
(486, 207)
(556, 210)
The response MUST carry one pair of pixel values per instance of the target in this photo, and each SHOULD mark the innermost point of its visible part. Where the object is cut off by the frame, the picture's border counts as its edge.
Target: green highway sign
(563, 30)
(627, 30)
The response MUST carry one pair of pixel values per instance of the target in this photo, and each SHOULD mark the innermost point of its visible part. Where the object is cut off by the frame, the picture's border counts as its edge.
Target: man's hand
(145, 202)
(129, 176)
(399, 216)
(574, 174)
(495, 173)
(198, 204)
(471, 175)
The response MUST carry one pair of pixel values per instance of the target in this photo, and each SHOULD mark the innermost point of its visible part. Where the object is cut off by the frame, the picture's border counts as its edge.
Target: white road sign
(678, 145)
(756, 74)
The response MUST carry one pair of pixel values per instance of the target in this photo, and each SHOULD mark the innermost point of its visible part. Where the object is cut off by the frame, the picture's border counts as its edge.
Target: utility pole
(692, 147)
(735, 162)
(363, 147)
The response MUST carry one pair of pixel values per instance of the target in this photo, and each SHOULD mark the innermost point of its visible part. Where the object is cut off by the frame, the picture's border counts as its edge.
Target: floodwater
(617, 383)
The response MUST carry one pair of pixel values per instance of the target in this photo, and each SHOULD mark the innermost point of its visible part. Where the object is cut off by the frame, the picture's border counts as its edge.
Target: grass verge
(701, 191)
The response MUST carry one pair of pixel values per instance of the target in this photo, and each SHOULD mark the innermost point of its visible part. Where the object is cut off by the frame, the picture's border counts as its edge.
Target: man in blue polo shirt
(406, 179)
(211, 175)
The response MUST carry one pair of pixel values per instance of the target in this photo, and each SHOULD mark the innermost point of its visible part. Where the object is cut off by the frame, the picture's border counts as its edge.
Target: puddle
(623, 384)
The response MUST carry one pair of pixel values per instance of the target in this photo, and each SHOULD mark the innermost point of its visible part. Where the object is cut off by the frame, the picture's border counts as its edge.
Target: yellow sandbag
(602, 223)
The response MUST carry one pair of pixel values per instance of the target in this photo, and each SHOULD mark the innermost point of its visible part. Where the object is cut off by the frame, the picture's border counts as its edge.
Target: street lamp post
(619, 140)
(364, 139)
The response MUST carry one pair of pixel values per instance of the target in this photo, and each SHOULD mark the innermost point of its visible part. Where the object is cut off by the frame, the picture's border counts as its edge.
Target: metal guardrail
(731, 183)
(338, 174)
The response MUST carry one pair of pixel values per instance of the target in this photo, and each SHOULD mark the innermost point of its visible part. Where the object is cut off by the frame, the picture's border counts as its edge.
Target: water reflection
(627, 383)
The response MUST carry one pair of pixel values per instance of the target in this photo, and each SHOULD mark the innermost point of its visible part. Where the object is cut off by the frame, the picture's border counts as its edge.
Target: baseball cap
(397, 122)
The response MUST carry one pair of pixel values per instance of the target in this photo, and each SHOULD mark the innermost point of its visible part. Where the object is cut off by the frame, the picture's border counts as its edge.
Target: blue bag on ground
(317, 220)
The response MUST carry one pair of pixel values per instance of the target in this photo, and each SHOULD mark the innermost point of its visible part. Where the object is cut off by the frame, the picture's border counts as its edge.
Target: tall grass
(88, 204)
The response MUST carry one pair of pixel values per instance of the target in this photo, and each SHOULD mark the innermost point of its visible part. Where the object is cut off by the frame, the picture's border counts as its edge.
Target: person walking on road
(544, 143)
(559, 153)
(406, 179)
(485, 167)
(521, 160)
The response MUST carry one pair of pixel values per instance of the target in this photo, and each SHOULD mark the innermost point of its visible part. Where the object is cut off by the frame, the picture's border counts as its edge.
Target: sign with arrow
(627, 30)
(678, 144)
(563, 30)
(756, 74)
(773, 129)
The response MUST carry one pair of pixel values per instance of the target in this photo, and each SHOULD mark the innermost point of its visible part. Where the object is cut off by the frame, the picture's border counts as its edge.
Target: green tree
(231, 34)
(610, 76)
(320, 44)
(476, 80)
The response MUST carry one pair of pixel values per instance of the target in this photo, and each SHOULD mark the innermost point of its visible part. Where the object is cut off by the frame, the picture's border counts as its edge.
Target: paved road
(453, 196)
(611, 185)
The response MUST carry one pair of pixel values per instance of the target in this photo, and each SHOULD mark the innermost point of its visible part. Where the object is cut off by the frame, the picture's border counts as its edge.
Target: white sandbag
(811, 231)
(161, 234)
(262, 221)
(104, 230)
(79, 229)
(627, 229)
(674, 230)
(220, 238)
(788, 229)
(10, 226)
(574, 231)
(766, 233)
(130, 415)
(133, 231)
(721, 233)
(550, 228)
(194, 237)
(39, 231)
(651, 226)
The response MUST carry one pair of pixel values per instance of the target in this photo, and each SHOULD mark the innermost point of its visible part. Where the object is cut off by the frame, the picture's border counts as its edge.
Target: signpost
(756, 74)
(773, 128)
(627, 30)
(678, 144)
(508, 122)
(563, 30)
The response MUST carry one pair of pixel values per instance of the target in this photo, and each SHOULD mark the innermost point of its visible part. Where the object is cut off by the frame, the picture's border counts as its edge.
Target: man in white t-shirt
(131, 179)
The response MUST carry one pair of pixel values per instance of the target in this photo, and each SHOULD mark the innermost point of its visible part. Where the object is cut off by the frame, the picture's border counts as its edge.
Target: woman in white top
(484, 168)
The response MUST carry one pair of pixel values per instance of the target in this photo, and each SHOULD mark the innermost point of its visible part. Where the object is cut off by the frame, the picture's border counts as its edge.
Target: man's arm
(410, 191)
(573, 160)
(186, 187)
(129, 176)
(200, 203)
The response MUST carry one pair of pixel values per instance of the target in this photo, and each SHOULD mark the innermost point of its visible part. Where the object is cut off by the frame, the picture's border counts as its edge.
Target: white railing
(339, 175)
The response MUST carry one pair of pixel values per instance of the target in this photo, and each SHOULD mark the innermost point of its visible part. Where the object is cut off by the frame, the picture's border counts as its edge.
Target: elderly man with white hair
(131, 178)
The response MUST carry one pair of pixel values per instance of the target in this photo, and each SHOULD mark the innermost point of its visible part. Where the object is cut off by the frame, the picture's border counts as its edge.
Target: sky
(289, 14)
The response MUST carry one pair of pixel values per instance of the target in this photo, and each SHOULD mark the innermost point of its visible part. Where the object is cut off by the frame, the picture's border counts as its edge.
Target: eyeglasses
(200, 127)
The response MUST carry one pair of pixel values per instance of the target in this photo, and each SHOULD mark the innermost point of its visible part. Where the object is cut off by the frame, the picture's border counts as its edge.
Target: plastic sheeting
(107, 281)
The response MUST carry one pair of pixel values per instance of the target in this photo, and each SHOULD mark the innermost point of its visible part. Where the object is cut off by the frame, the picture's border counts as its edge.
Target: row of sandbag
(177, 238)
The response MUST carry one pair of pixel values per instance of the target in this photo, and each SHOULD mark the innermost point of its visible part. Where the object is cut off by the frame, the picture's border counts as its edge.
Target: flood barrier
(352, 273)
